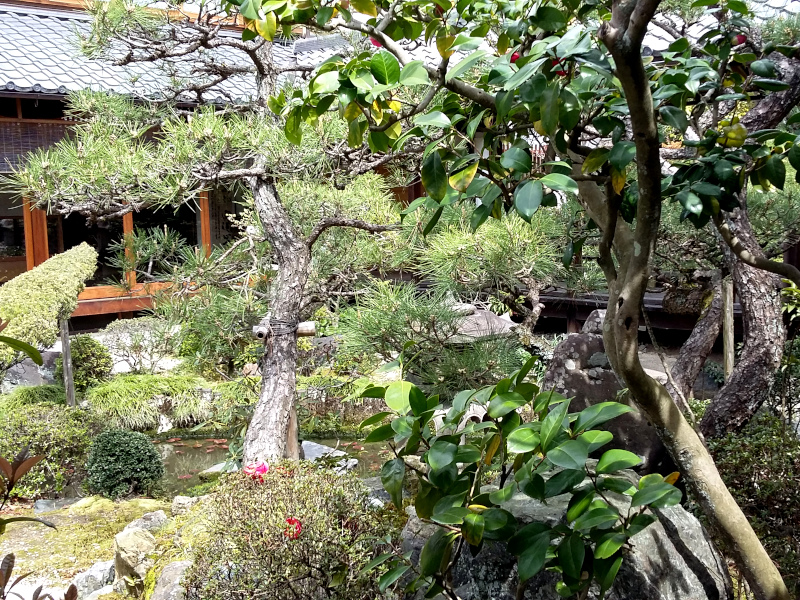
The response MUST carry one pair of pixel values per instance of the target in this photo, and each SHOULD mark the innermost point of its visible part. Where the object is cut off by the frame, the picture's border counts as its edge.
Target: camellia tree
(573, 77)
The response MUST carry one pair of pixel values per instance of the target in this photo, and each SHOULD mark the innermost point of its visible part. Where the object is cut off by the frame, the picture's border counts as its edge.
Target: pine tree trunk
(764, 335)
(268, 435)
(695, 350)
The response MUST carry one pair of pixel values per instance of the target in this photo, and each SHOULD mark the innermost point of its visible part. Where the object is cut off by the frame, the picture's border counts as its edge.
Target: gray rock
(673, 559)
(183, 504)
(317, 452)
(594, 322)
(152, 521)
(28, 373)
(214, 472)
(103, 591)
(46, 506)
(98, 576)
(578, 371)
(131, 561)
(169, 585)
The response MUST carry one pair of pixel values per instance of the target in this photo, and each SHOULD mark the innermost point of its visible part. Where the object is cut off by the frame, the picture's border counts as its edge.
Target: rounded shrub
(91, 362)
(296, 531)
(122, 463)
(62, 435)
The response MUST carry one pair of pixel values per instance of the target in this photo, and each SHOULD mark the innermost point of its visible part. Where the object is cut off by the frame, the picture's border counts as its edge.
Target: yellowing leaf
(618, 179)
(460, 181)
(672, 477)
(492, 449)
(267, 27)
(366, 7)
(377, 112)
(394, 105)
(352, 111)
(443, 44)
(394, 130)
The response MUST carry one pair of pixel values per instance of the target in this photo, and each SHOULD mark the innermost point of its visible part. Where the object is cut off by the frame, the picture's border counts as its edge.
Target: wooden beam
(104, 292)
(205, 222)
(112, 306)
(35, 226)
(27, 225)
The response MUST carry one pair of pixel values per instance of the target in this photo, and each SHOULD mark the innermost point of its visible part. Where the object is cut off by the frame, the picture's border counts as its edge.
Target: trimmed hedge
(122, 463)
(35, 301)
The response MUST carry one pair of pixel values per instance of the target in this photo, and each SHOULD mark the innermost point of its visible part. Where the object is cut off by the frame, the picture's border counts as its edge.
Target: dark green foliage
(761, 467)
(63, 435)
(25, 395)
(122, 463)
(91, 362)
(252, 552)
(542, 458)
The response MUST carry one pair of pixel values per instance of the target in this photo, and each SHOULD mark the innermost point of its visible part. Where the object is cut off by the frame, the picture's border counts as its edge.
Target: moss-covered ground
(84, 535)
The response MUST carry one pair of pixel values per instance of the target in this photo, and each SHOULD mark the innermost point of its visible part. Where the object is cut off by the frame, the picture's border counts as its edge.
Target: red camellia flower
(556, 62)
(293, 528)
(739, 39)
(515, 57)
(256, 470)
(375, 42)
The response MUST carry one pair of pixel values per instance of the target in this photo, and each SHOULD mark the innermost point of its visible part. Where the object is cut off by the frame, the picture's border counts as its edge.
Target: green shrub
(140, 343)
(34, 302)
(761, 467)
(63, 435)
(131, 401)
(122, 463)
(252, 552)
(91, 362)
(25, 395)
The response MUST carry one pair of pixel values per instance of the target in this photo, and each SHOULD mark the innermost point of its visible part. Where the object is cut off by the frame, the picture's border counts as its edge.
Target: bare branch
(344, 222)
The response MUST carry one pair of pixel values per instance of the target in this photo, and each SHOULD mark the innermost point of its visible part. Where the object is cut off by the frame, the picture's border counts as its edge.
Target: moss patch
(85, 535)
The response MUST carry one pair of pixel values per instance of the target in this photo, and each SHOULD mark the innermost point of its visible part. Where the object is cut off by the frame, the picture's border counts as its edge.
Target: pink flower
(375, 42)
(293, 528)
(256, 470)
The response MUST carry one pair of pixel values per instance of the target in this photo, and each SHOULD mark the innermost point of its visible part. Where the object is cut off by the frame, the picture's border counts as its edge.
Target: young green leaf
(528, 198)
(392, 475)
(384, 67)
(616, 460)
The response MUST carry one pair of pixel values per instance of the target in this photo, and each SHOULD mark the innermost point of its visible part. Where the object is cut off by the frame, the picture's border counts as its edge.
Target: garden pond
(185, 458)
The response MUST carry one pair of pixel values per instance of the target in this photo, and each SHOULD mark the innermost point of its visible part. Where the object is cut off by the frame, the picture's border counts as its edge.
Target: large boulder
(580, 370)
(132, 548)
(170, 583)
(98, 576)
(673, 559)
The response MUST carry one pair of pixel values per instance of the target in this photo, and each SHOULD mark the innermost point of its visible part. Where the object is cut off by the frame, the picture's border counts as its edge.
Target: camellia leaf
(472, 529)
(609, 544)
(326, 83)
(569, 455)
(549, 108)
(397, 396)
(465, 64)
(460, 181)
(557, 181)
(366, 7)
(523, 439)
(374, 419)
(528, 199)
(622, 154)
(674, 117)
(517, 159)
(391, 576)
(392, 475)
(571, 553)
(532, 560)
(553, 424)
(763, 68)
(267, 27)
(23, 347)
(380, 434)
(414, 73)
(434, 176)
(616, 460)
(434, 118)
(502, 404)
(384, 67)
(579, 503)
(442, 454)
(772, 85)
(597, 414)
(435, 552)
(660, 495)
(605, 572)
(596, 159)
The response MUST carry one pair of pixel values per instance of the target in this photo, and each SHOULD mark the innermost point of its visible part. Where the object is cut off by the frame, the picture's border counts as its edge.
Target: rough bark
(764, 336)
(695, 350)
(269, 433)
(627, 284)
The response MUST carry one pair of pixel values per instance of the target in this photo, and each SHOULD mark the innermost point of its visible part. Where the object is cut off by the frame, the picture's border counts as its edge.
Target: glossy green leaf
(380, 434)
(660, 495)
(391, 576)
(597, 414)
(763, 68)
(616, 460)
(442, 454)
(553, 424)
(549, 108)
(516, 159)
(674, 117)
(622, 154)
(384, 67)
(528, 198)
(392, 475)
(523, 439)
(601, 516)
(374, 419)
(571, 553)
(502, 404)
(772, 85)
(532, 560)
(563, 481)
(434, 176)
(465, 64)
(595, 439)
(460, 180)
(397, 396)
(571, 454)
(550, 18)
(326, 83)
(472, 529)
(559, 182)
(414, 73)
(25, 348)
(434, 118)
(503, 494)
(579, 503)
(609, 544)
(605, 572)
(435, 552)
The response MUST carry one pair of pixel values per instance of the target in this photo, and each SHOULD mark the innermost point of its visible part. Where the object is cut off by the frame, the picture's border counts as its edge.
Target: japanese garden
(385, 299)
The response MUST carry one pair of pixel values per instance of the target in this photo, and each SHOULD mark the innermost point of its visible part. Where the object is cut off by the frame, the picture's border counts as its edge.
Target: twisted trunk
(764, 335)
(270, 434)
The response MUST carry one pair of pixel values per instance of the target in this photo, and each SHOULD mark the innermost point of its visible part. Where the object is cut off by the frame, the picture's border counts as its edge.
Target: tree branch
(759, 262)
(344, 222)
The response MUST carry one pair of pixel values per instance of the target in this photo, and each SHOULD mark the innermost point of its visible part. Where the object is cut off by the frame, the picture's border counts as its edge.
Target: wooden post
(727, 325)
(66, 360)
(205, 222)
